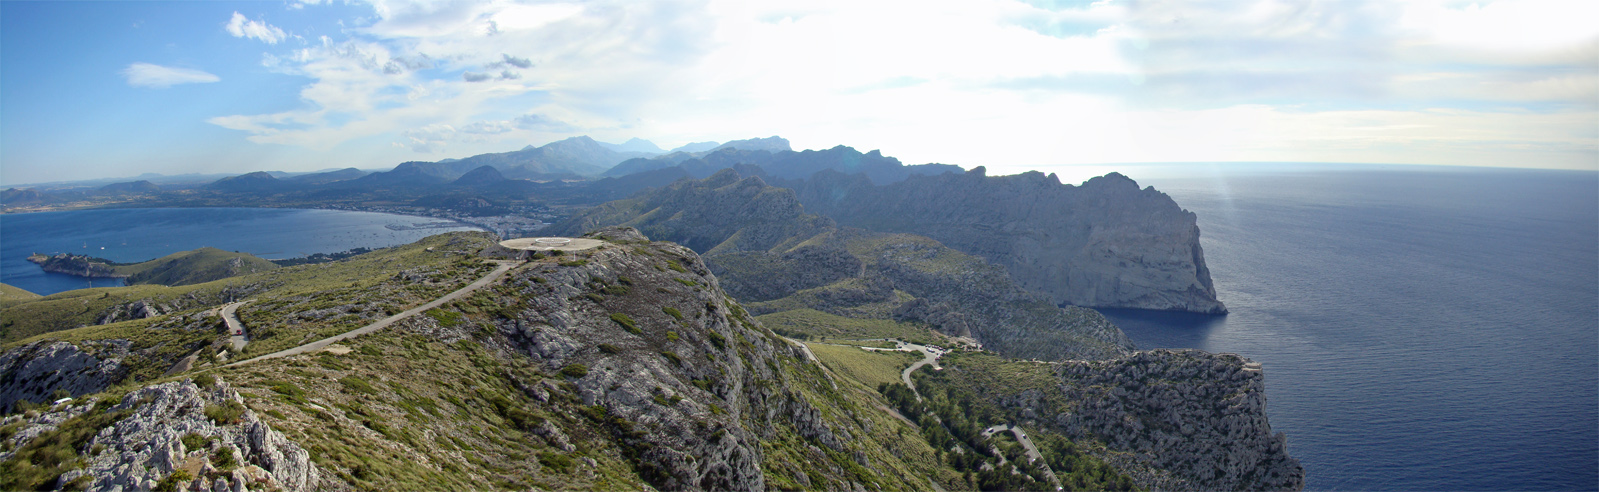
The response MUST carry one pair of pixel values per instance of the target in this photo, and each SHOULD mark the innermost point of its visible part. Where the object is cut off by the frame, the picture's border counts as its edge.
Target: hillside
(373, 274)
(775, 257)
(194, 267)
(10, 294)
(181, 268)
(622, 367)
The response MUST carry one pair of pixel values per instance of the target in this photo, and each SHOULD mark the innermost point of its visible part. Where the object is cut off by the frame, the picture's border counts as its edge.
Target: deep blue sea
(1421, 328)
(130, 235)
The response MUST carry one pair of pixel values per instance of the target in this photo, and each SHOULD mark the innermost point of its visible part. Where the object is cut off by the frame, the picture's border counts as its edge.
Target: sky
(111, 89)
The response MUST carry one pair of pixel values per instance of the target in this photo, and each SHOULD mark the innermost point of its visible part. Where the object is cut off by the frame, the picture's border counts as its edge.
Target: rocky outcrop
(1103, 244)
(150, 442)
(37, 371)
(1177, 420)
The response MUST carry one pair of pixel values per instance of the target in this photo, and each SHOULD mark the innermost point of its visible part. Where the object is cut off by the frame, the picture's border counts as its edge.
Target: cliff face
(1103, 244)
(1169, 410)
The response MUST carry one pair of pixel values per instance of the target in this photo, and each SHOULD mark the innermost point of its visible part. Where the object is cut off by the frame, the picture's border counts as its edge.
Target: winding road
(504, 266)
(930, 355)
(236, 332)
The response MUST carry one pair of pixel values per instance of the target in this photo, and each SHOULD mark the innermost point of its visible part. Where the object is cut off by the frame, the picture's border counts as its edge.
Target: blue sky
(107, 89)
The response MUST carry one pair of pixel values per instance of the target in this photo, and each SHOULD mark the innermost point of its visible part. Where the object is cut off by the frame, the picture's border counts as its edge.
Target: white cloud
(159, 77)
(242, 27)
(994, 82)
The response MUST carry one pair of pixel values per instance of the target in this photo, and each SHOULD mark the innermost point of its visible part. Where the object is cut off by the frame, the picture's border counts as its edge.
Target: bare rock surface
(1178, 420)
(35, 371)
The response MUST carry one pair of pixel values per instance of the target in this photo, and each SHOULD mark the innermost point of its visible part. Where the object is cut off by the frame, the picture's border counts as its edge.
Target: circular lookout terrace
(551, 243)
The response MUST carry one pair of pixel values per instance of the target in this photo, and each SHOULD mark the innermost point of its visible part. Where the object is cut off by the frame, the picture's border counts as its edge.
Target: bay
(132, 235)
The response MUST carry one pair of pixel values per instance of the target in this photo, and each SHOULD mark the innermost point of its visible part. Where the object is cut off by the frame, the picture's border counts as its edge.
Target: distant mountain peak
(770, 144)
(695, 147)
(635, 144)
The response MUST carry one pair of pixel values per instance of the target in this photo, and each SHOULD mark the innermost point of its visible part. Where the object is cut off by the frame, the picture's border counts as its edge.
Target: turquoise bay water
(1420, 328)
(128, 235)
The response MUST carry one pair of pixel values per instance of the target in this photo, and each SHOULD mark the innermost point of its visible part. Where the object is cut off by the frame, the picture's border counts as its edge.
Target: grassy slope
(867, 368)
(193, 267)
(810, 324)
(10, 294)
(370, 279)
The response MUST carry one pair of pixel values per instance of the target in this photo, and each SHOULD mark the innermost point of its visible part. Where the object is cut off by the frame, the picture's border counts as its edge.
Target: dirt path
(505, 266)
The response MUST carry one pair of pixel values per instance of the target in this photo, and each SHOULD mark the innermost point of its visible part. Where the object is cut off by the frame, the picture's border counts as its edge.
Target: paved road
(930, 355)
(1033, 456)
(236, 332)
(505, 266)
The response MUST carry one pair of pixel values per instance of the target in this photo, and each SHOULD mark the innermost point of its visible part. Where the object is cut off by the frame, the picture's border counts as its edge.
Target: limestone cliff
(1168, 411)
(1106, 243)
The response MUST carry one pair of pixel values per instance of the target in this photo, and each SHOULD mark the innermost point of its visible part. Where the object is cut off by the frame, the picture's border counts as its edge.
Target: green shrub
(575, 370)
(226, 413)
(672, 356)
(609, 349)
(615, 290)
(192, 441)
(223, 459)
(558, 462)
(174, 482)
(718, 340)
(671, 336)
(574, 263)
(673, 312)
(287, 389)
(687, 282)
(205, 380)
(446, 319)
(357, 384)
(676, 267)
(626, 322)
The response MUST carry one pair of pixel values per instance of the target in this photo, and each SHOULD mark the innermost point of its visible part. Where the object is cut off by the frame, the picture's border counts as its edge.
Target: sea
(1421, 328)
(135, 234)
